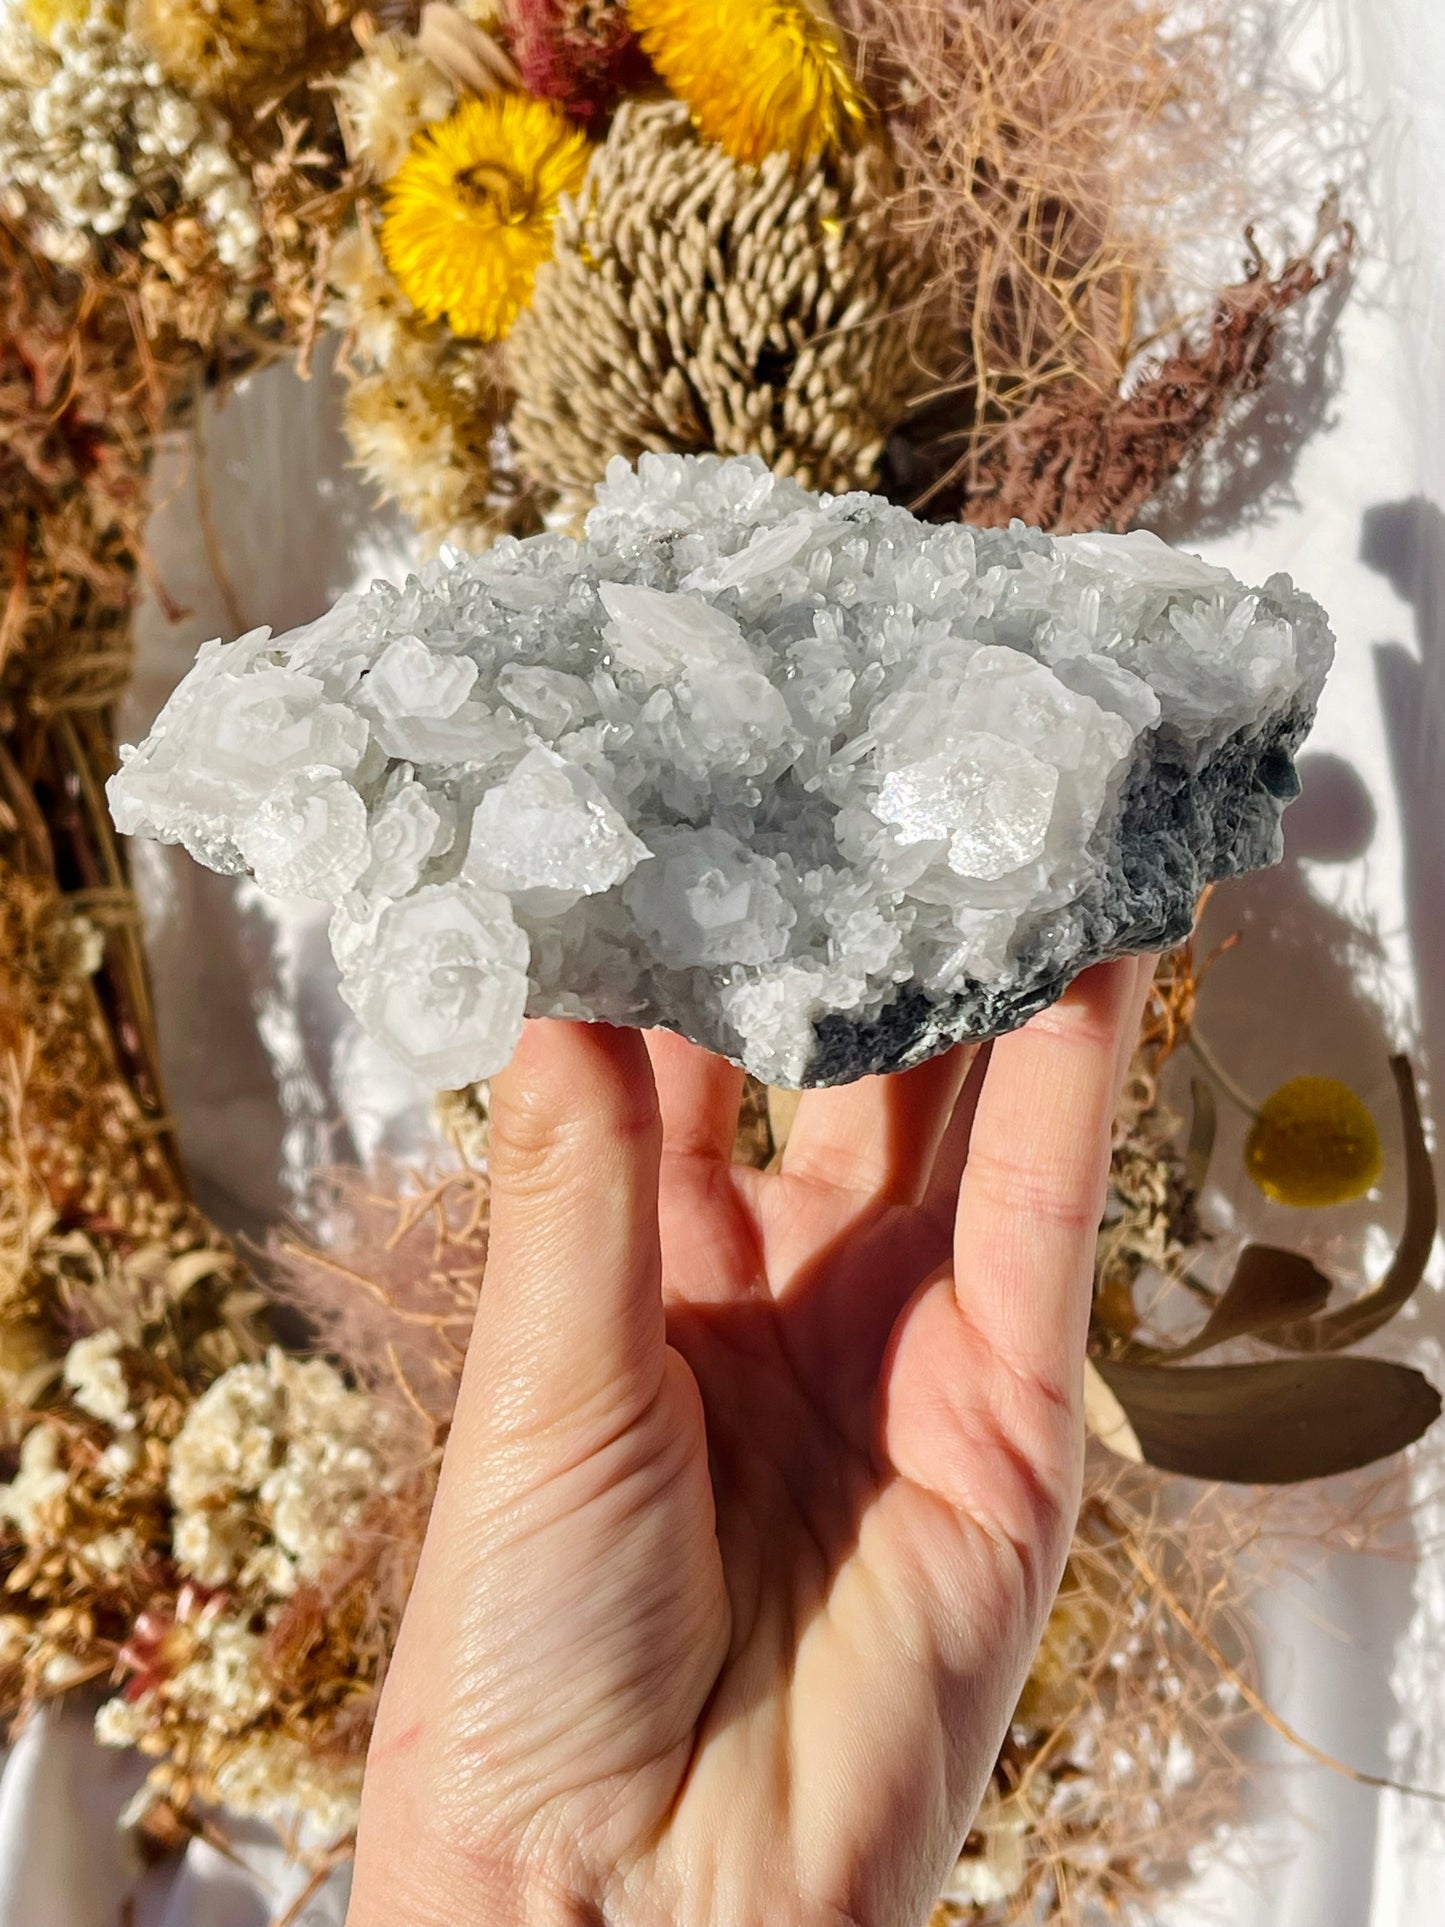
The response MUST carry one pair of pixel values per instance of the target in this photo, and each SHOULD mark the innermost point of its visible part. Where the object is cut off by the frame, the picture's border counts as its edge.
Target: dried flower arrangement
(896, 246)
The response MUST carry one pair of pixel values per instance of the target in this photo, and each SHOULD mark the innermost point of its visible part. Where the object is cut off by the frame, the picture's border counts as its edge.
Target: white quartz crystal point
(821, 786)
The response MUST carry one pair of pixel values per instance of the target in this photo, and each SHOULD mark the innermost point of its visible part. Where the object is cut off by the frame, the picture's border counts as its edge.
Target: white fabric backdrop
(267, 1076)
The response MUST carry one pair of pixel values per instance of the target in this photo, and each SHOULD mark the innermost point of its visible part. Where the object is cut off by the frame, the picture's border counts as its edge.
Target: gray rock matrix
(821, 786)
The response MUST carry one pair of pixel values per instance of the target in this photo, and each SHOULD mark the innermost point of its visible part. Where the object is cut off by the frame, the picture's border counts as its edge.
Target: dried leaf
(465, 52)
(1274, 1423)
(1378, 1306)
(1105, 1418)
(1268, 1286)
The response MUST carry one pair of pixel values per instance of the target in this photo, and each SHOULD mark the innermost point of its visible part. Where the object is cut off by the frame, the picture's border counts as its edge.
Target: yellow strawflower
(469, 212)
(761, 76)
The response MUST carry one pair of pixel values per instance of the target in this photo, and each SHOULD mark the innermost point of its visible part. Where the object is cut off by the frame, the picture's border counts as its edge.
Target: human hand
(758, 1491)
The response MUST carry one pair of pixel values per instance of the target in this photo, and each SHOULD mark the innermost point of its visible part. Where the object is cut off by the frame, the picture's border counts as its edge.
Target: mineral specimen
(819, 785)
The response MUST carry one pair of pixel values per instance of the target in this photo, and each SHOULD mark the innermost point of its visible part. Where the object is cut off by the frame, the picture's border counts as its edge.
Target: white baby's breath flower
(226, 1444)
(96, 1376)
(40, 1480)
(90, 124)
(114, 1552)
(226, 1676)
(121, 1458)
(441, 982)
(272, 1469)
(273, 1774)
(995, 1875)
(122, 1722)
(210, 1546)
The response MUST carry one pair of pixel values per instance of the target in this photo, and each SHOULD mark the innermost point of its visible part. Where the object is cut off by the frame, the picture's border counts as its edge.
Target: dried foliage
(1077, 458)
(80, 401)
(1261, 1421)
(1122, 1754)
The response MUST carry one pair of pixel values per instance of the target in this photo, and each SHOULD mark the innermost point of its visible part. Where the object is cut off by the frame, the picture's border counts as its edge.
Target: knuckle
(1039, 1190)
(540, 1135)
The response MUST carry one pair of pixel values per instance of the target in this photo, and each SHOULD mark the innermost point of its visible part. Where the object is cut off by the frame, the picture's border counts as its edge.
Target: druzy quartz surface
(821, 786)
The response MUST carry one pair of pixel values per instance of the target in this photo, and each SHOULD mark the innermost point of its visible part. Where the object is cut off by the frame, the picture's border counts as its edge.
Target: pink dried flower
(581, 53)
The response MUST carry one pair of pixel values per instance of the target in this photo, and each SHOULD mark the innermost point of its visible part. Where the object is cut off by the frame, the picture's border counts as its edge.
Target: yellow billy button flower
(469, 212)
(761, 76)
(1313, 1143)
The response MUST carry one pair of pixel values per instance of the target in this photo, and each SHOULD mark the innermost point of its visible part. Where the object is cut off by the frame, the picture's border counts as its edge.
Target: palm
(768, 1547)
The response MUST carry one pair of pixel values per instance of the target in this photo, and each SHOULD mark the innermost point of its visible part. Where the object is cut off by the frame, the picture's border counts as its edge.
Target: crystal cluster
(819, 785)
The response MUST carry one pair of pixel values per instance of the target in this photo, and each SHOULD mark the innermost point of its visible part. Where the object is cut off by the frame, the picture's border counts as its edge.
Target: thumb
(570, 1327)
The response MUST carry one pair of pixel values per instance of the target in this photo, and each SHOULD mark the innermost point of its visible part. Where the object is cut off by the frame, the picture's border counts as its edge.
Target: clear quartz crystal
(815, 783)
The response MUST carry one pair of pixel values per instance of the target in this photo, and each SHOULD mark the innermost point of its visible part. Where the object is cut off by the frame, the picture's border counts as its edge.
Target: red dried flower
(581, 53)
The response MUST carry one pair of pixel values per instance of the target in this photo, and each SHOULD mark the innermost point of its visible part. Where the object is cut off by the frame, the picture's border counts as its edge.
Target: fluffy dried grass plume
(1078, 173)
(1075, 458)
(1122, 1757)
(216, 46)
(393, 1285)
(692, 304)
(1019, 127)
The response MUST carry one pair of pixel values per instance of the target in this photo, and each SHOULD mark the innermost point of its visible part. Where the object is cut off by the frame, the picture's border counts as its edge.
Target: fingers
(980, 1393)
(698, 1095)
(878, 1138)
(570, 1322)
(1033, 1188)
(941, 1198)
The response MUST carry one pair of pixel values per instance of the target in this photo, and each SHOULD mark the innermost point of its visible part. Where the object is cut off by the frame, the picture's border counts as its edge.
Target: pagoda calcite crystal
(823, 787)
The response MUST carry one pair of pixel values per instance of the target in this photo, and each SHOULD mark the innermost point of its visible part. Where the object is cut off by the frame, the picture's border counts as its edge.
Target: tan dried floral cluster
(218, 46)
(189, 151)
(692, 303)
(425, 409)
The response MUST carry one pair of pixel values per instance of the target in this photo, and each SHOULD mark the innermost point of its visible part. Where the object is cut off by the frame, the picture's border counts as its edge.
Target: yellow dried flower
(761, 76)
(210, 46)
(469, 213)
(44, 16)
(1313, 1143)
